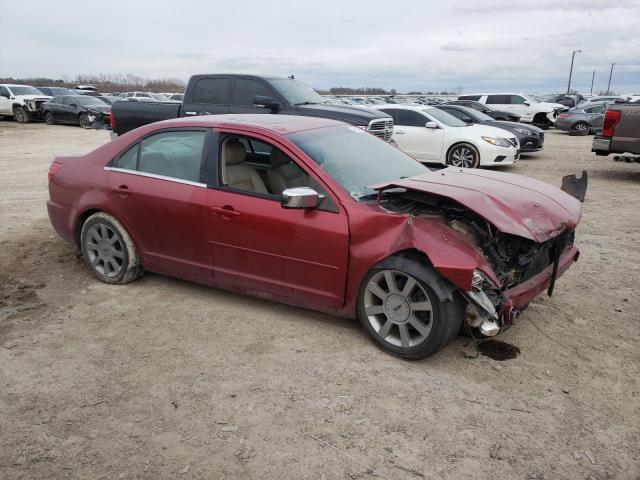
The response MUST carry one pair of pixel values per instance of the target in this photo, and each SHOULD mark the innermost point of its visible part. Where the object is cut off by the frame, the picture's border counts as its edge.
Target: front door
(156, 191)
(414, 138)
(295, 255)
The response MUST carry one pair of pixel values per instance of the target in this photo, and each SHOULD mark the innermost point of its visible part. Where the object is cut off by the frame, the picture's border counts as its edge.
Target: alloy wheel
(84, 121)
(398, 308)
(462, 156)
(581, 127)
(19, 115)
(105, 250)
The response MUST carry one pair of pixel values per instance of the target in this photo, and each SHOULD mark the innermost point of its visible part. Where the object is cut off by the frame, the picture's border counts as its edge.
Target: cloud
(493, 45)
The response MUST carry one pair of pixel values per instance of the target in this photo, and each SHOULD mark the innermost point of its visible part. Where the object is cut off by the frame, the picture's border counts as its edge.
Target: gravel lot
(167, 379)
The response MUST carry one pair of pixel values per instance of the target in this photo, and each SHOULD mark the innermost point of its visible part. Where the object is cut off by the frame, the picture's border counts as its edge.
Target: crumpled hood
(514, 204)
(33, 97)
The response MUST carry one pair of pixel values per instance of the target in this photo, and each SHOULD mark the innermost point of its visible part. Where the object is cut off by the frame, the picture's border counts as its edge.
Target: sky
(466, 45)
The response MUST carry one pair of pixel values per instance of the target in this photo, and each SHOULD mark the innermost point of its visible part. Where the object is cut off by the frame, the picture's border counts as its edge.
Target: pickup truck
(22, 102)
(620, 130)
(220, 94)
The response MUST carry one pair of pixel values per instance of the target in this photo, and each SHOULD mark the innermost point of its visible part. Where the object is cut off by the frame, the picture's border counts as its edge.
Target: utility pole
(593, 75)
(571, 69)
(610, 75)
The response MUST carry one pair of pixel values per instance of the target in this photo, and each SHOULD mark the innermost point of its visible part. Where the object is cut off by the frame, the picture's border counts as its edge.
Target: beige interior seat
(284, 173)
(236, 173)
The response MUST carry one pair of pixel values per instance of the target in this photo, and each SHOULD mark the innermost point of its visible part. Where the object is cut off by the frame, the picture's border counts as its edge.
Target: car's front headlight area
(498, 141)
(523, 131)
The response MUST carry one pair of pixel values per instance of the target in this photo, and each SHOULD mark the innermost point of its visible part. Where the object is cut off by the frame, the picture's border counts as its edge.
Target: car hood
(511, 126)
(548, 107)
(99, 108)
(514, 204)
(33, 97)
(346, 113)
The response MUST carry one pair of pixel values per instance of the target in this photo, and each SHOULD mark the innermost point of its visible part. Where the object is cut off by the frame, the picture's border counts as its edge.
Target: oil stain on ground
(498, 350)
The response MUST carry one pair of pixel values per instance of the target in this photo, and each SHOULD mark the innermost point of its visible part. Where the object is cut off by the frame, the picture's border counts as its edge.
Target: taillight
(112, 121)
(611, 119)
(563, 115)
(53, 169)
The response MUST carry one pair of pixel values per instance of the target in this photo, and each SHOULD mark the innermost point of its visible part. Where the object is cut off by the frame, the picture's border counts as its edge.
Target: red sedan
(320, 214)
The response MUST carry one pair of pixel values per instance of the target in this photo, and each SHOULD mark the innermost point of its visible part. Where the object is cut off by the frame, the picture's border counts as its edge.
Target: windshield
(356, 159)
(476, 114)
(443, 117)
(296, 92)
(88, 101)
(25, 91)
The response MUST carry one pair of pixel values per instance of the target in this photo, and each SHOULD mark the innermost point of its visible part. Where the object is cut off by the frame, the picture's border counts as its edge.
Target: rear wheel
(408, 309)
(463, 155)
(48, 117)
(108, 250)
(580, 128)
(21, 115)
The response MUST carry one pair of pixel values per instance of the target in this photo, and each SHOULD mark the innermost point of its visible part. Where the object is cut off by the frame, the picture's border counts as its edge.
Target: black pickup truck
(219, 94)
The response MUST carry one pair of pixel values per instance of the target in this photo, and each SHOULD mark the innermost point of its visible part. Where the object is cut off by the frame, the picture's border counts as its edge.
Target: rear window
(212, 91)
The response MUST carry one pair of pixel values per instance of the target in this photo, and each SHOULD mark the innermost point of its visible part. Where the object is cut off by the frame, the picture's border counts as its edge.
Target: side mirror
(527, 104)
(431, 125)
(264, 101)
(300, 197)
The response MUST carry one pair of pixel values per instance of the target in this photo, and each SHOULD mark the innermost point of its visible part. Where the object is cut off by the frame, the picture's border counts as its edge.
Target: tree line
(106, 82)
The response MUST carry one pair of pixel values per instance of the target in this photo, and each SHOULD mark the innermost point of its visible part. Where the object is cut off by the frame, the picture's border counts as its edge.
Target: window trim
(204, 157)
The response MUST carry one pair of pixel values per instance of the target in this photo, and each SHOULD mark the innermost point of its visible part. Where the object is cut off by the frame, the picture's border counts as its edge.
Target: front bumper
(100, 120)
(491, 155)
(518, 297)
(532, 143)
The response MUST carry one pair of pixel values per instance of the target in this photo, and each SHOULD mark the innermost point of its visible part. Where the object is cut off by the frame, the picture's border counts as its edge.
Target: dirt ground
(167, 379)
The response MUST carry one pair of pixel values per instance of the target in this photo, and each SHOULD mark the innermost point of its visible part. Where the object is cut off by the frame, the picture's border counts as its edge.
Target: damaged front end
(516, 269)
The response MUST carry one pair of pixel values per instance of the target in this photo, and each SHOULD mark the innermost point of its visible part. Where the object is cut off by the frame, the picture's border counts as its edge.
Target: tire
(580, 129)
(391, 315)
(83, 120)
(48, 117)
(21, 115)
(109, 251)
(463, 155)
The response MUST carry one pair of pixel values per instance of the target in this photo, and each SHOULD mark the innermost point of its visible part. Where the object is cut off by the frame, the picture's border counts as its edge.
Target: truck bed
(130, 115)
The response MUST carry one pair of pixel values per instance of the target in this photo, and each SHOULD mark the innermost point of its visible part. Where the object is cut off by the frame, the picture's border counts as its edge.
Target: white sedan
(431, 135)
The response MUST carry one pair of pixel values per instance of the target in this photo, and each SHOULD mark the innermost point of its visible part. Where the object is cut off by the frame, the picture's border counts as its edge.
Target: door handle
(123, 190)
(226, 211)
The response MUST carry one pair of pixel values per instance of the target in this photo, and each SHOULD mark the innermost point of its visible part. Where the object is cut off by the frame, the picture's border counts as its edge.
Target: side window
(469, 97)
(211, 90)
(517, 100)
(129, 159)
(55, 100)
(393, 112)
(67, 100)
(409, 118)
(271, 178)
(145, 95)
(498, 99)
(173, 154)
(597, 109)
(4, 92)
(458, 114)
(247, 89)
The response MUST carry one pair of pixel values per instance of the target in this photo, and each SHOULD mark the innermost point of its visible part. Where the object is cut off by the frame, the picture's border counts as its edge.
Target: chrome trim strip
(157, 177)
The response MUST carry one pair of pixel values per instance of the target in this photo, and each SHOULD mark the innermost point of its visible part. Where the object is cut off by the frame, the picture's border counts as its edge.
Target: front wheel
(48, 117)
(463, 155)
(83, 120)
(407, 308)
(108, 250)
(21, 115)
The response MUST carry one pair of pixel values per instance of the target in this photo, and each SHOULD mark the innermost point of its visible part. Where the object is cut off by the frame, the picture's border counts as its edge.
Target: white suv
(21, 102)
(541, 114)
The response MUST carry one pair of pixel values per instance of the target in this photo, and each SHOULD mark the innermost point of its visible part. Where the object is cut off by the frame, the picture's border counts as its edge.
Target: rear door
(595, 115)
(209, 96)
(296, 255)
(156, 191)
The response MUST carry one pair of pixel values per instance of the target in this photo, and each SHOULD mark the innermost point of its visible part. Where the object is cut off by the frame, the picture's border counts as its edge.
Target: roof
(282, 124)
